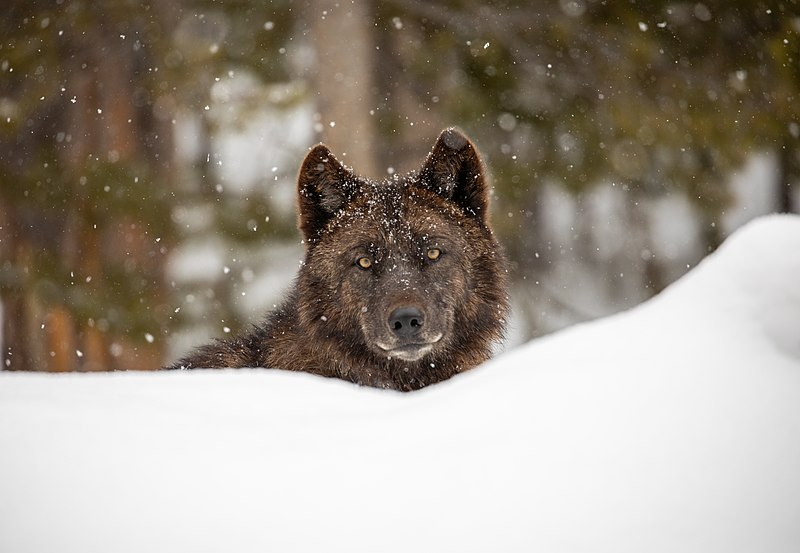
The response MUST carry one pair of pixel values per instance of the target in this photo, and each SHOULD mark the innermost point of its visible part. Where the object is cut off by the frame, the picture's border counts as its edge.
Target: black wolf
(403, 283)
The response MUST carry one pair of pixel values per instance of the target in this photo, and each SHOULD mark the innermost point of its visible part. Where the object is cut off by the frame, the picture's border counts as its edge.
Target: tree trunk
(788, 172)
(344, 43)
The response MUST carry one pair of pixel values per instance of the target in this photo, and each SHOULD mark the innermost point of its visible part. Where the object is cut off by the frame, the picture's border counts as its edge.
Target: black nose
(406, 322)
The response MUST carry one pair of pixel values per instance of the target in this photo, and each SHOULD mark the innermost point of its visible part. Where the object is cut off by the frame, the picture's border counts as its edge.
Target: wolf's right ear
(324, 187)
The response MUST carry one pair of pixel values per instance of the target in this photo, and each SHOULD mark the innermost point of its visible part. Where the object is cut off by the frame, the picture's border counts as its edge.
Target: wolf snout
(406, 322)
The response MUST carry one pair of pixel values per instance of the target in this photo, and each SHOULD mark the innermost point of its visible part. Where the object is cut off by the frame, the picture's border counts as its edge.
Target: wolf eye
(433, 254)
(364, 262)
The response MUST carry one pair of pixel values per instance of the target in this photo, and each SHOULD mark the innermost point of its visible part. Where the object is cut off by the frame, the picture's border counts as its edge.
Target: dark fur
(342, 320)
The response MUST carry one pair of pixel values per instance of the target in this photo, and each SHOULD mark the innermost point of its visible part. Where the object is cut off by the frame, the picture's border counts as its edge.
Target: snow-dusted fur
(403, 283)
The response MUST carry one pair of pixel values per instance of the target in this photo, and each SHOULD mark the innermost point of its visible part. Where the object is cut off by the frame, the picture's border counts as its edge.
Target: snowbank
(672, 427)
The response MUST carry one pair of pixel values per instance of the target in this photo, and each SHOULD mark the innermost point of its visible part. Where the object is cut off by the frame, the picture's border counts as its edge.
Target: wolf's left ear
(454, 170)
(324, 186)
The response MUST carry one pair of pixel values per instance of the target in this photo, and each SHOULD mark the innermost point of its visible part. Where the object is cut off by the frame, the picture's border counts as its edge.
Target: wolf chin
(403, 283)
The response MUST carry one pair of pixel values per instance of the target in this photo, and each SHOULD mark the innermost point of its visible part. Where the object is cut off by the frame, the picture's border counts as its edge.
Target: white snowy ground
(672, 427)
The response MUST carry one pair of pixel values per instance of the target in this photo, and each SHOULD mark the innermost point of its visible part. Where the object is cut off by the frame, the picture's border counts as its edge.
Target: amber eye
(434, 254)
(364, 262)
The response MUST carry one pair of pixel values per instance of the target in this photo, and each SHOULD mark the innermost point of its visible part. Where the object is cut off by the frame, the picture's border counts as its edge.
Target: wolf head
(404, 274)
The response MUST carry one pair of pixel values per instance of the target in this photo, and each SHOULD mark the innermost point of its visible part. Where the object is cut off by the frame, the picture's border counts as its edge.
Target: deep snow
(674, 426)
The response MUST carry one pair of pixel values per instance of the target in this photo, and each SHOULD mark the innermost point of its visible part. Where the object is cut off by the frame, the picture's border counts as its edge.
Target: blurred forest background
(149, 149)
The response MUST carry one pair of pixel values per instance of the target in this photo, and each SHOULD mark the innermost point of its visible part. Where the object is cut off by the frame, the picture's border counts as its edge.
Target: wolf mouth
(410, 352)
